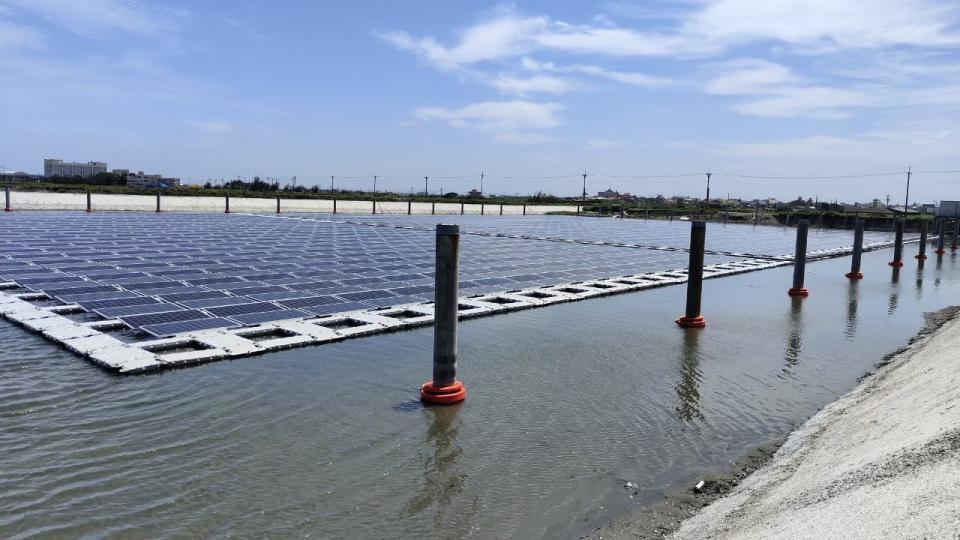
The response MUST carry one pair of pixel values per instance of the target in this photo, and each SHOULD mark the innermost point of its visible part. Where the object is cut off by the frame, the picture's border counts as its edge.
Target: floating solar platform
(135, 292)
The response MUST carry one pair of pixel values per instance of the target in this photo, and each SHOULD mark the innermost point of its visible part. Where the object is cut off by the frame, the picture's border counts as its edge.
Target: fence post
(855, 272)
(941, 241)
(444, 388)
(922, 251)
(409, 207)
(898, 244)
(800, 260)
(89, 203)
(501, 209)
(482, 205)
(524, 208)
(756, 214)
(692, 317)
(433, 208)
(461, 209)
(158, 201)
(578, 209)
(373, 206)
(278, 204)
(6, 198)
(226, 209)
(334, 206)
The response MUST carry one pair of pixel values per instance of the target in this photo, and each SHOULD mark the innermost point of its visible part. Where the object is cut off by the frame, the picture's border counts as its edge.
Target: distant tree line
(102, 179)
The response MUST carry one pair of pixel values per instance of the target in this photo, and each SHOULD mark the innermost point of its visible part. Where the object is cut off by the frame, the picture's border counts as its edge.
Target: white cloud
(516, 121)
(212, 128)
(714, 28)
(827, 23)
(523, 86)
(93, 17)
(774, 90)
(750, 76)
(887, 148)
(633, 78)
(15, 36)
(505, 36)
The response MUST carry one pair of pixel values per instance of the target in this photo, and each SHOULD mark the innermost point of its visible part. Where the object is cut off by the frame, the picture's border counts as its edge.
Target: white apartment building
(57, 167)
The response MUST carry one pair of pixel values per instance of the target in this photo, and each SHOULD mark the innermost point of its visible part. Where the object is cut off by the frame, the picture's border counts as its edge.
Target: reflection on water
(440, 456)
(794, 333)
(918, 290)
(853, 295)
(894, 298)
(688, 392)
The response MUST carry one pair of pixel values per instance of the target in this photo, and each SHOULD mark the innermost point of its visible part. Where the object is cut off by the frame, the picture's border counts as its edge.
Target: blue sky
(624, 90)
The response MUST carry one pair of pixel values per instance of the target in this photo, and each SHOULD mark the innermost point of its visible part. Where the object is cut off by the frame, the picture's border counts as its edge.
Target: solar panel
(92, 287)
(365, 295)
(230, 311)
(192, 295)
(166, 329)
(139, 309)
(267, 316)
(164, 317)
(152, 285)
(311, 301)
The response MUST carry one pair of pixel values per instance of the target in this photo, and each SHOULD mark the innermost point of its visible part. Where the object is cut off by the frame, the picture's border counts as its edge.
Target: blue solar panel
(311, 301)
(365, 295)
(139, 309)
(164, 317)
(266, 316)
(230, 311)
(166, 329)
(192, 295)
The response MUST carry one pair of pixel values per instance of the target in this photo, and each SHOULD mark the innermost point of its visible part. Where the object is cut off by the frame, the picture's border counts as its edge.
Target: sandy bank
(880, 462)
(41, 200)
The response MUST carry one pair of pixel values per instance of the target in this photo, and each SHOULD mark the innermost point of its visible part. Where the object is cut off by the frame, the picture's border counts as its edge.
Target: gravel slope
(881, 462)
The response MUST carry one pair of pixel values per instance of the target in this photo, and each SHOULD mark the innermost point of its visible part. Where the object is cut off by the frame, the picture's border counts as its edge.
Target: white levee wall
(42, 200)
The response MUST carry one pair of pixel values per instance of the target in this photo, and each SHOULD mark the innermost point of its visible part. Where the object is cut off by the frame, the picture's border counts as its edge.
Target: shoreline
(673, 516)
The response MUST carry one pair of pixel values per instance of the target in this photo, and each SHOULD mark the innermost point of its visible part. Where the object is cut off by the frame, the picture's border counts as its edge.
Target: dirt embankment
(883, 461)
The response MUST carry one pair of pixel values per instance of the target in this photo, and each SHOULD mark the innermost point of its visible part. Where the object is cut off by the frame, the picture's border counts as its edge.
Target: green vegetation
(260, 189)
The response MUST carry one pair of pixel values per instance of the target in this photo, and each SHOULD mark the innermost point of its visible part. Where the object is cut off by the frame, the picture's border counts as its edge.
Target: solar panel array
(762, 241)
(170, 273)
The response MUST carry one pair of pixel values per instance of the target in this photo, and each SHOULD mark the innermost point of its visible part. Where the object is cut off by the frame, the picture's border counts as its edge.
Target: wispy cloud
(633, 78)
(93, 17)
(516, 121)
(16, 36)
(211, 128)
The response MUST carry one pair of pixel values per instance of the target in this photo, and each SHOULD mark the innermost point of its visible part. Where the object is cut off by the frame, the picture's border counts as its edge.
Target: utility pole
(481, 184)
(426, 186)
(709, 174)
(331, 182)
(906, 201)
(584, 196)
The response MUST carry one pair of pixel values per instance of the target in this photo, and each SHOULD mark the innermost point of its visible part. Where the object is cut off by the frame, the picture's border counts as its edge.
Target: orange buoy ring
(854, 275)
(444, 395)
(895, 264)
(798, 292)
(691, 322)
(940, 251)
(920, 257)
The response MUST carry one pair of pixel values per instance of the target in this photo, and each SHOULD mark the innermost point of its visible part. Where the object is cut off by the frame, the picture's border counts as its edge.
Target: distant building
(140, 180)
(608, 194)
(57, 167)
(870, 208)
(949, 209)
